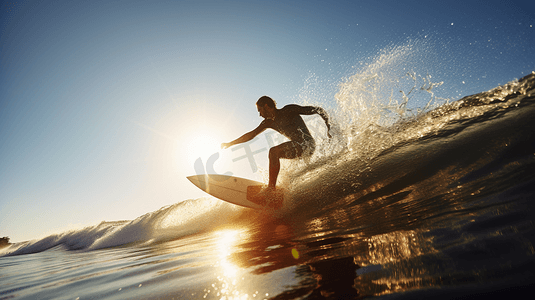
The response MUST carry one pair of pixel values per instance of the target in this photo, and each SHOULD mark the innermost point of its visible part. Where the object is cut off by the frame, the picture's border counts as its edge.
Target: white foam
(170, 222)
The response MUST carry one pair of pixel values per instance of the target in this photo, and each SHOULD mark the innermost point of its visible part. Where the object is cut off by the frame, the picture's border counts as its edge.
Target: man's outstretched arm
(246, 137)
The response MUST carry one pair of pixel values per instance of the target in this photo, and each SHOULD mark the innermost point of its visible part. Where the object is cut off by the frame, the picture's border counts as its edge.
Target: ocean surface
(435, 201)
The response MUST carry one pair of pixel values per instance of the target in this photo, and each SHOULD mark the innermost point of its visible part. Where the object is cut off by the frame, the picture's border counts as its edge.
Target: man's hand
(328, 131)
(225, 145)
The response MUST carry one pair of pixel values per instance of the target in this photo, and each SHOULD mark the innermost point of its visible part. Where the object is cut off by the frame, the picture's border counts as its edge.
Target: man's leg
(285, 150)
(274, 167)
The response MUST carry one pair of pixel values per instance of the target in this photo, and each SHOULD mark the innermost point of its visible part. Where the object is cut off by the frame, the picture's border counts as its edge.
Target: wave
(482, 142)
(168, 223)
(385, 150)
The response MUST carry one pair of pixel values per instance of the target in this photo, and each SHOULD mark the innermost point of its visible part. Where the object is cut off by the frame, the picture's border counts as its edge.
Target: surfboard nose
(228, 188)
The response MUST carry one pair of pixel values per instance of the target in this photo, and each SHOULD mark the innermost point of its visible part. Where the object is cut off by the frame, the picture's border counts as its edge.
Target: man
(288, 122)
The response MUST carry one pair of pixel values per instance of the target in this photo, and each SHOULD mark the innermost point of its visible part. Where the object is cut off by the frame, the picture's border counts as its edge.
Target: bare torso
(289, 123)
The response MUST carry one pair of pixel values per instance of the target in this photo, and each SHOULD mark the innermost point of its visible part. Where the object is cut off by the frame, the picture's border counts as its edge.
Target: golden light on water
(396, 255)
(235, 282)
(229, 276)
(225, 242)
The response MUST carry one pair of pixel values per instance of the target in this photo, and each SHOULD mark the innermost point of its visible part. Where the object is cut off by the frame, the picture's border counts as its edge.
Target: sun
(200, 144)
(199, 138)
(201, 152)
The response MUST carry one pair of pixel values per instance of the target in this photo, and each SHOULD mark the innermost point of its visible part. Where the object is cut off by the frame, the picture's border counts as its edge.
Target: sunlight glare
(199, 144)
(226, 241)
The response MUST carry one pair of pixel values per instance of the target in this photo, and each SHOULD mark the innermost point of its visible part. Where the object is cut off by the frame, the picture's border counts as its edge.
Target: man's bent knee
(288, 150)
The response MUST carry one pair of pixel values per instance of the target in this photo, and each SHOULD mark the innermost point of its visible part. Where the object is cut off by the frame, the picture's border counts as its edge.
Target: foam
(170, 222)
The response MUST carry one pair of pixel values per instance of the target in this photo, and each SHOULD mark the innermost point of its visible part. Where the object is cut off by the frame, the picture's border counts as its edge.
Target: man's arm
(311, 110)
(246, 137)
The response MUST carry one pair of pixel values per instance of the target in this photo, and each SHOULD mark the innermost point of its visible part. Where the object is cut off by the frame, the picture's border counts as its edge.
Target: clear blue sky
(101, 100)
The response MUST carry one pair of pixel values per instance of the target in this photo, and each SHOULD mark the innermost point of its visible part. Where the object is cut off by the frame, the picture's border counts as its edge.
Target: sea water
(405, 202)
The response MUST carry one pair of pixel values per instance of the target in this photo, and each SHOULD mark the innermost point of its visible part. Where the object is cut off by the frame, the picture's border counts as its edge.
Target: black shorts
(293, 149)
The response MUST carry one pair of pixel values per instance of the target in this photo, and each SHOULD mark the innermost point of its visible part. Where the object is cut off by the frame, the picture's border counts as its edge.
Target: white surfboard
(239, 191)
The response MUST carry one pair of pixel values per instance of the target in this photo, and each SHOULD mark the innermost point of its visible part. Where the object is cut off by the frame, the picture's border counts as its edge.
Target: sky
(107, 106)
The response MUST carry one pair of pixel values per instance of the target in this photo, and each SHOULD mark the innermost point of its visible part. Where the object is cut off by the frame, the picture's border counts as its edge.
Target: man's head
(266, 107)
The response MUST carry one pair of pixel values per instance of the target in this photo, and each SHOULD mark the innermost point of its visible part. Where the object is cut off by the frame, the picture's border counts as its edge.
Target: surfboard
(236, 190)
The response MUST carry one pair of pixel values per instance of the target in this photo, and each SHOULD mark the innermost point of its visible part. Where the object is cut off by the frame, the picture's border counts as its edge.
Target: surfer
(288, 122)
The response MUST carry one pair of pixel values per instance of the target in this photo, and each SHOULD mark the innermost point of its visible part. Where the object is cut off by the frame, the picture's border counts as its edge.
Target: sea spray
(372, 108)
(394, 87)
(379, 109)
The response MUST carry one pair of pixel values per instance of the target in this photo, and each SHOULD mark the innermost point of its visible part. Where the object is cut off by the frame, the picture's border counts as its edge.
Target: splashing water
(373, 106)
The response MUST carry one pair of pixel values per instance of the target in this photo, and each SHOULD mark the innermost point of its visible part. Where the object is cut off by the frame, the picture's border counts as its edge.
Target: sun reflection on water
(231, 279)
(225, 242)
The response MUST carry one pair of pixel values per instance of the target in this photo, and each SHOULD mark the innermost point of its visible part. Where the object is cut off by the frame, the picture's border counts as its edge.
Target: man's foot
(272, 197)
(266, 192)
(258, 194)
